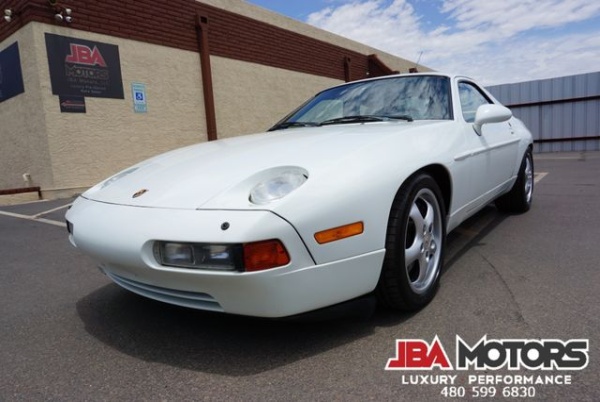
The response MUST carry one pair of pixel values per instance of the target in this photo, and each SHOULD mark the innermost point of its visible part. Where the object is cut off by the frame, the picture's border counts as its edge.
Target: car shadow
(237, 345)
(471, 233)
(217, 343)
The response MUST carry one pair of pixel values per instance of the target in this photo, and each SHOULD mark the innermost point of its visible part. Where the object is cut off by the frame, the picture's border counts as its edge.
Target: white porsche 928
(351, 194)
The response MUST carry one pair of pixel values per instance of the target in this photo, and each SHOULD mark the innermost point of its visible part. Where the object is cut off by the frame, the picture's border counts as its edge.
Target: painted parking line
(38, 217)
(539, 176)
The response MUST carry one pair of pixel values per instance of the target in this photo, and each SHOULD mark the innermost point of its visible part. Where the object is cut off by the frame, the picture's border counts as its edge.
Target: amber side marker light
(339, 233)
(265, 255)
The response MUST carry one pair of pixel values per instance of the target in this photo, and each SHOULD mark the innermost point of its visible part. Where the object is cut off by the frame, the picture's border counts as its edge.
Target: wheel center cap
(427, 241)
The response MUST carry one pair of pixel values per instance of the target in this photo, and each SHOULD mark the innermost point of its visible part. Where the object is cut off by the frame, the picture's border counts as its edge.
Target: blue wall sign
(11, 76)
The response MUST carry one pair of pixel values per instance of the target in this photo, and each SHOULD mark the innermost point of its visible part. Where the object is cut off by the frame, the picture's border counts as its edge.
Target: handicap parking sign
(139, 97)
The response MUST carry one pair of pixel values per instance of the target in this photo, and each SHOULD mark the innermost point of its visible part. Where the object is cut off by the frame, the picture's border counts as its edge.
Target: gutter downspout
(209, 100)
(347, 62)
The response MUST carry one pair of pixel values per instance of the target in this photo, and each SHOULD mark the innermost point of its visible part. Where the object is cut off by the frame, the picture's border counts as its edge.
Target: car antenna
(415, 68)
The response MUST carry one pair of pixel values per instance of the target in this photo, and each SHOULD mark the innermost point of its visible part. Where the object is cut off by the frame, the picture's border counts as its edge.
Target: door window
(470, 99)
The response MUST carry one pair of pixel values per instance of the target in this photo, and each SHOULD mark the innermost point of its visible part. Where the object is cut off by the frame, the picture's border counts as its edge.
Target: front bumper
(121, 239)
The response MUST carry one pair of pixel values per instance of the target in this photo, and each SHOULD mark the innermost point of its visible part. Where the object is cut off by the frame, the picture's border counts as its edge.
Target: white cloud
(513, 16)
(369, 20)
(496, 42)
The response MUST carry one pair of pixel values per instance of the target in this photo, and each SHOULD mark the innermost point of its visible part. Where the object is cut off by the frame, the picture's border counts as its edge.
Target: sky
(493, 41)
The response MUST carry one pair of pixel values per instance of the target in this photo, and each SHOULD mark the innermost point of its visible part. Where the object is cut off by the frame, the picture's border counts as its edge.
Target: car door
(491, 154)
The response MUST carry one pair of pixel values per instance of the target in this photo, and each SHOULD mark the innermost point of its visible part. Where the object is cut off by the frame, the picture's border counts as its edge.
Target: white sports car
(351, 194)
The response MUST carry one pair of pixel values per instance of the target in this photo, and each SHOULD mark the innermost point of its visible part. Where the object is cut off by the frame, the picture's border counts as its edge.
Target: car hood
(220, 174)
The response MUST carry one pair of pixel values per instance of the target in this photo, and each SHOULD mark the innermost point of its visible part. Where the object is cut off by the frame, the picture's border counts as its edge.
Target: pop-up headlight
(116, 177)
(278, 186)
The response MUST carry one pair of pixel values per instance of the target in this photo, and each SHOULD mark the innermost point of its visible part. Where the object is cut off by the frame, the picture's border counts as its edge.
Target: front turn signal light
(263, 255)
(339, 233)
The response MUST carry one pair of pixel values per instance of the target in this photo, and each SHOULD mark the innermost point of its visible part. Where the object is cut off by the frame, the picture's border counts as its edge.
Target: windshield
(407, 98)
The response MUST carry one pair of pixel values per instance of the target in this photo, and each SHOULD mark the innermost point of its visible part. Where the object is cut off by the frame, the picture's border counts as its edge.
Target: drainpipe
(347, 62)
(209, 100)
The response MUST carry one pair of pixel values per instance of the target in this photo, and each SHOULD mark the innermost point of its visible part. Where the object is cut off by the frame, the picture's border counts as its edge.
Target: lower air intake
(200, 301)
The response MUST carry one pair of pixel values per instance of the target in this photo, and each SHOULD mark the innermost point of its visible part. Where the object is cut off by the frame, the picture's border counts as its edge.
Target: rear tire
(520, 197)
(415, 242)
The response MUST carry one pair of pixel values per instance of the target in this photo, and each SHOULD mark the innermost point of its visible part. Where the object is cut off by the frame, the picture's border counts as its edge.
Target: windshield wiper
(351, 119)
(288, 124)
(399, 117)
(341, 120)
(364, 119)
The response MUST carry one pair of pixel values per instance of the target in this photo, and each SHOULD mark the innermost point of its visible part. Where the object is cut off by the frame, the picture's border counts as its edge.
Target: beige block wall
(23, 142)
(251, 98)
(109, 137)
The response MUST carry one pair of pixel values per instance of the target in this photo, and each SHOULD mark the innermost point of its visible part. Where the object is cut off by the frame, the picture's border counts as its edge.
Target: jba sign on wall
(85, 68)
(527, 364)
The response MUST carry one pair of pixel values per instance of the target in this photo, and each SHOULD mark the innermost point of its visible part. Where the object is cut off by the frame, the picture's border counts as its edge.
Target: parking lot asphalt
(68, 333)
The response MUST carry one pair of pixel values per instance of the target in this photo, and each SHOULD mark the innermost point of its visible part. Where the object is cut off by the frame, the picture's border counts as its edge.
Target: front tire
(519, 198)
(415, 244)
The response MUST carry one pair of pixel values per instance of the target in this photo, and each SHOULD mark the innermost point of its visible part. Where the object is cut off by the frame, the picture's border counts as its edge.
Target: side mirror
(491, 113)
